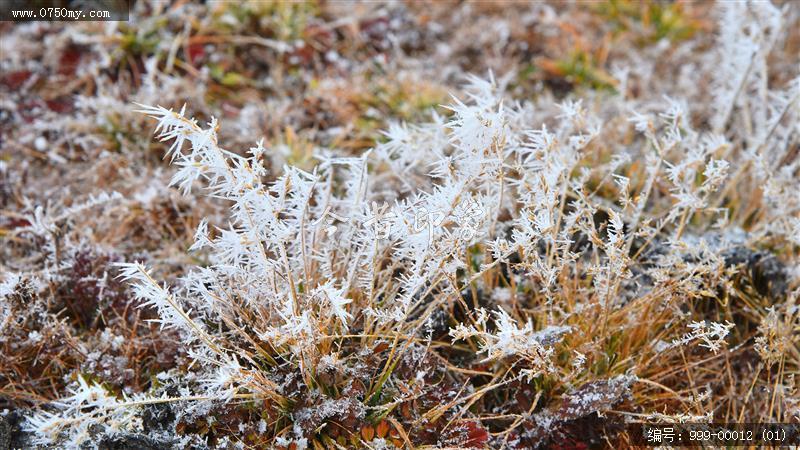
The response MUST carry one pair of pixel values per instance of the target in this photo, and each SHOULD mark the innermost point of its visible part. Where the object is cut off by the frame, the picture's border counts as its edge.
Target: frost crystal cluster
(502, 268)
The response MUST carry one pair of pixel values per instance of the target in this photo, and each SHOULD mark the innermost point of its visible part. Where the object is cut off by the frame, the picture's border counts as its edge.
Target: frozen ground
(424, 225)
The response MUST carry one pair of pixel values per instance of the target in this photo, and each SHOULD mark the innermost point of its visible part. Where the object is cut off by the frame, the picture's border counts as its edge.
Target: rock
(11, 435)
(5, 433)
(766, 273)
(133, 442)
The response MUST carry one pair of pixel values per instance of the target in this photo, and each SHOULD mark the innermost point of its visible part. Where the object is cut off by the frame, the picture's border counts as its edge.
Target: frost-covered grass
(550, 253)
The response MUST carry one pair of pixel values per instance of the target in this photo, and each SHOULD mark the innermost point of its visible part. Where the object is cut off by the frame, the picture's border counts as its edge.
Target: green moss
(228, 78)
(284, 21)
(141, 41)
(653, 20)
(580, 68)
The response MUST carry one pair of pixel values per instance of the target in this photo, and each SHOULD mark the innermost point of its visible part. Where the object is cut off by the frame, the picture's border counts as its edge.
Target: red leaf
(68, 63)
(195, 53)
(14, 80)
(477, 436)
